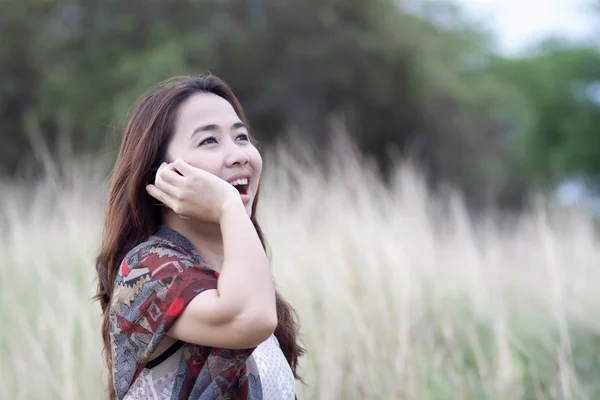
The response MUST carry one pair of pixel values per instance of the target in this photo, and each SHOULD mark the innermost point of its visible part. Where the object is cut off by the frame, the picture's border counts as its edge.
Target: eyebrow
(213, 127)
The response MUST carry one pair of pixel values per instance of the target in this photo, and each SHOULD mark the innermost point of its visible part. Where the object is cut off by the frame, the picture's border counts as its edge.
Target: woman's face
(209, 135)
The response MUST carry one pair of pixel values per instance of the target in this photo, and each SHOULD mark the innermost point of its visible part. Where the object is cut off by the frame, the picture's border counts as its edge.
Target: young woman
(190, 309)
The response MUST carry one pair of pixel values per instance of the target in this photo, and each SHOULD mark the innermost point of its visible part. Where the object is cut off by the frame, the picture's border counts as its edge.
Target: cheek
(256, 162)
(203, 164)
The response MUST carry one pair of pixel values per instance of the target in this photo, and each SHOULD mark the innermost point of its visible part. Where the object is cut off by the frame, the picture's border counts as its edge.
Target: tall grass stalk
(400, 294)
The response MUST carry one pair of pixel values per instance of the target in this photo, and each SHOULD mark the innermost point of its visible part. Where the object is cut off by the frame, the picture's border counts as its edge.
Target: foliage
(562, 86)
(396, 78)
(409, 78)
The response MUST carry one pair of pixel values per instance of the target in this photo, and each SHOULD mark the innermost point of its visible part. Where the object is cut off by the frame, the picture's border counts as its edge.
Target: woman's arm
(241, 313)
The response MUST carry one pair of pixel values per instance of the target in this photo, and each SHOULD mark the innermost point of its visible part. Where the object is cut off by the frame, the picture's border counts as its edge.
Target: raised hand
(192, 193)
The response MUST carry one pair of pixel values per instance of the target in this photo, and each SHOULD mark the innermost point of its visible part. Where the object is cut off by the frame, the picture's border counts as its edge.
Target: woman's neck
(205, 237)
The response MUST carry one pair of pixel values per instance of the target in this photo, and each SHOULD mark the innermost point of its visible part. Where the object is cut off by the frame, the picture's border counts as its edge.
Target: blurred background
(430, 195)
(497, 97)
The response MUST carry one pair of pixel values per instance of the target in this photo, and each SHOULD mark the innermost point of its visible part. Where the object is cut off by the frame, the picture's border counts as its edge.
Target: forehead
(206, 108)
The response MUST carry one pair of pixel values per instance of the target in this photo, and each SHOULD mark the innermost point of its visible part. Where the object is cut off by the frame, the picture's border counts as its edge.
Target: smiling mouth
(241, 185)
(243, 189)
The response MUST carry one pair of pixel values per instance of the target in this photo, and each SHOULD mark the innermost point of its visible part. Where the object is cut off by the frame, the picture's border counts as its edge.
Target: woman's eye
(244, 137)
(208, 141)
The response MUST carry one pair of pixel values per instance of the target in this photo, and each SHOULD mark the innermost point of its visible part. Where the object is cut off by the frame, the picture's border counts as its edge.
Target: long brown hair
(131, 215)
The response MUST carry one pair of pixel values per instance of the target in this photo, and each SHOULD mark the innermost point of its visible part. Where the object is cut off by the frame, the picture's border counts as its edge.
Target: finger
(183, 167)
(160, 195)
(170, 166)
(163, 185)
(171, 176)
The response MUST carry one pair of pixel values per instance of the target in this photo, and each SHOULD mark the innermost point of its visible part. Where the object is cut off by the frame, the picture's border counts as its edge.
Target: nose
(236, 155)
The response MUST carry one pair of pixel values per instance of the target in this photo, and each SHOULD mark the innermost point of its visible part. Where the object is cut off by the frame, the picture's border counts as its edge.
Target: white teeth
(243, 181)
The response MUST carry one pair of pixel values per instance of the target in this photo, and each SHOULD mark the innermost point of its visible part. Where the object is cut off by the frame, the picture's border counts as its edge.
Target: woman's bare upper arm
(208, 321)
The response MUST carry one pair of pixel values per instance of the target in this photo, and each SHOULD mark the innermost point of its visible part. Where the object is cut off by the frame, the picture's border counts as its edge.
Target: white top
(276, 377)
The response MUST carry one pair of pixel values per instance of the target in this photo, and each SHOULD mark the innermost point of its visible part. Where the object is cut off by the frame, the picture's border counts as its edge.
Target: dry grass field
(401, 295)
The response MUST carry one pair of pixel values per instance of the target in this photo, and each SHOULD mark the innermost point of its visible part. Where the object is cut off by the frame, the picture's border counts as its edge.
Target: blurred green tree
(406, 79)
(561, 84)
